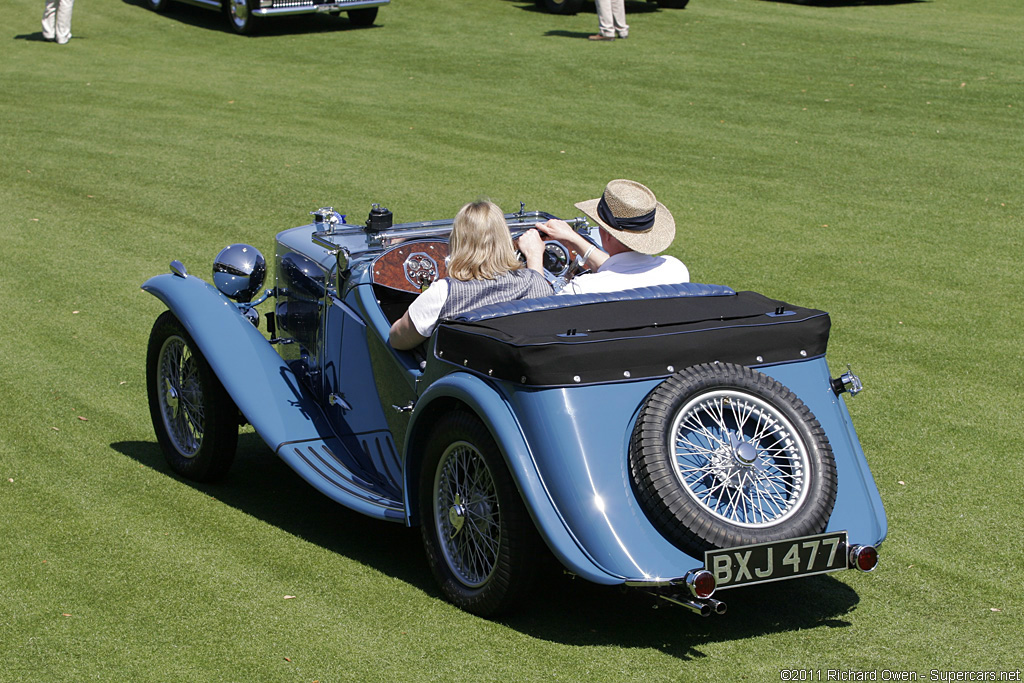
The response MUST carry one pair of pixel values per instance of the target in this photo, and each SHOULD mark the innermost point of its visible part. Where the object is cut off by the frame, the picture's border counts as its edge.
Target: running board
(320, 462)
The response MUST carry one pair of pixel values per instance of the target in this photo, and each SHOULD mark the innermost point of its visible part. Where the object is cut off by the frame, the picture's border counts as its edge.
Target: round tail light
(863, 557)
(701, 583)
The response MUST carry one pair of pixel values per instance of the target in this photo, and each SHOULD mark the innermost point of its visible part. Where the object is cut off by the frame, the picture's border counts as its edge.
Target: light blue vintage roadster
(678, 439)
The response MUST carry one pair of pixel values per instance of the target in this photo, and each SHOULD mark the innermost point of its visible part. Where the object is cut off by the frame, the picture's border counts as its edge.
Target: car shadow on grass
(580, 613)
(561, 609)
(848, 3)
(632, 7)
(262, 485)
(276, 26)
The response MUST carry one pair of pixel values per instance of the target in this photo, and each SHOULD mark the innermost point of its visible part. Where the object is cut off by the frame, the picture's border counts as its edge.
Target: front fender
(261, 384)
(490, 406)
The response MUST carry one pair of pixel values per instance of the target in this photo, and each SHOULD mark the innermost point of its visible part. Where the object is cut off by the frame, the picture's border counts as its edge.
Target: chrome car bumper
(283, 7)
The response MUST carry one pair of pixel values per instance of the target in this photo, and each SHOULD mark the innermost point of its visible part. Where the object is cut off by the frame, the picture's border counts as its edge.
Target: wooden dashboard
(411, 267)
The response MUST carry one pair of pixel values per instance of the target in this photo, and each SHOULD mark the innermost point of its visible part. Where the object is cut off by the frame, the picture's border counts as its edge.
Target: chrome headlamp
(239, 271)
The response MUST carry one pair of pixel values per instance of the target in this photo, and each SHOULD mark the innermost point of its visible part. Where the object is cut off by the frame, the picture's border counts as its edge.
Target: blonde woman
(483, 270)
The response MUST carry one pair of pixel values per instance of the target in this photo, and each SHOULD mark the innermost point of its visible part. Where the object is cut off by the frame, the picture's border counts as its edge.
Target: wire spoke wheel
(480, 541)
(195, 420)
(181, 398)
(739, 458)
(723, 455)
(467, 515)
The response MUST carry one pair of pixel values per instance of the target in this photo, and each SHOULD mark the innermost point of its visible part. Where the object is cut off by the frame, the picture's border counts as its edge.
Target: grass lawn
(860, 157)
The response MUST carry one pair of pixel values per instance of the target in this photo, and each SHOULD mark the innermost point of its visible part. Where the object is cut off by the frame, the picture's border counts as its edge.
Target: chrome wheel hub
(735, 464)
(171, 398)
(239, 11)
(456, 515)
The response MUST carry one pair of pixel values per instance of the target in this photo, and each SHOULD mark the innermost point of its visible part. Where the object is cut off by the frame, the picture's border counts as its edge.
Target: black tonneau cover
(622, 340)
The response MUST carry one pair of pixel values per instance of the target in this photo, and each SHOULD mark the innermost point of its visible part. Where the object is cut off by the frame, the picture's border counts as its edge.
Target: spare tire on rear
(723, 455)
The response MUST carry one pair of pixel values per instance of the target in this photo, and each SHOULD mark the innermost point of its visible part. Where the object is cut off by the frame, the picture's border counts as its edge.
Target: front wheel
(240, 16)
(195, 420)
(362, 17)
(480, 541)
(560, 6)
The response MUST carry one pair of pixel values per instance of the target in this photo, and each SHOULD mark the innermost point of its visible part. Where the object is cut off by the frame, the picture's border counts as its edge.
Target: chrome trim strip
(342, 474)
(337, 6)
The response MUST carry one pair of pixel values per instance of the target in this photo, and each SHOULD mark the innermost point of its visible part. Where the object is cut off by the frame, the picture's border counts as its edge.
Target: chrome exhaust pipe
(697, 607)
(717, 605)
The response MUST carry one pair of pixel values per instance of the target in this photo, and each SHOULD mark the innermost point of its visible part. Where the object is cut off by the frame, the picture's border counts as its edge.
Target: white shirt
(425, 309)
(627, 270)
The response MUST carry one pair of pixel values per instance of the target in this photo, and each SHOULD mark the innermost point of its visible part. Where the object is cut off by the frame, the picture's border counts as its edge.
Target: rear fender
(261, 384)
(461, 389)
(858, 508)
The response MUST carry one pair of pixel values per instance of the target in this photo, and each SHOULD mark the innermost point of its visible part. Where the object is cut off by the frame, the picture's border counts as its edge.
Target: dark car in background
(244, 15)
(574, 6)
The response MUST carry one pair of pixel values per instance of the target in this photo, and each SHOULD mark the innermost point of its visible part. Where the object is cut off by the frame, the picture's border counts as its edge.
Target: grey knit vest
(465, 295)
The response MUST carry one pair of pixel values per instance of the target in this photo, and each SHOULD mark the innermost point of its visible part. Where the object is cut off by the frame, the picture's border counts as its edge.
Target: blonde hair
(480, 244)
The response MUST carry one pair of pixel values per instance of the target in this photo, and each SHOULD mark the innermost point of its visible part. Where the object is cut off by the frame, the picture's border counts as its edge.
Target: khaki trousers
(57, 20)
(611, 18)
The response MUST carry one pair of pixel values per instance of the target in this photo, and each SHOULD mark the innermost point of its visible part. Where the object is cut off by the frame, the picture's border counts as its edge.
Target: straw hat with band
(631, 213)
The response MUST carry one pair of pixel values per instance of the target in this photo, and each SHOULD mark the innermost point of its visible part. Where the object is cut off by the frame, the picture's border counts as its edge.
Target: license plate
(778, 560)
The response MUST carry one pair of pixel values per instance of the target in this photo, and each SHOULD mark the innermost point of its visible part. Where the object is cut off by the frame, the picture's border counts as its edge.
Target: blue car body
(351, 415)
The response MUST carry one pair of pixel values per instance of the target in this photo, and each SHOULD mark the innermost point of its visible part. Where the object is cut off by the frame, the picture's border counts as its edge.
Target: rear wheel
(480, 541)
(560, 6)
(363, 17)
(195, 420)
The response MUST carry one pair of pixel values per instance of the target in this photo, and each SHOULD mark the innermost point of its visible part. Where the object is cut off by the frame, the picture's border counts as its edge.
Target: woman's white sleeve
(426, 309)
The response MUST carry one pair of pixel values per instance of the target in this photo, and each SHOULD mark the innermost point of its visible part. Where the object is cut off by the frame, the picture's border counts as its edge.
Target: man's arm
(563, 232)
(532, 245)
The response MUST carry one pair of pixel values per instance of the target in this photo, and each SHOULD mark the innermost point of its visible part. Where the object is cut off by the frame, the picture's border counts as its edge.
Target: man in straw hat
(634, 227)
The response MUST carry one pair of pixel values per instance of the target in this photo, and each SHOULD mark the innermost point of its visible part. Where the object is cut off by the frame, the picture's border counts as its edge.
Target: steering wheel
(557, 260)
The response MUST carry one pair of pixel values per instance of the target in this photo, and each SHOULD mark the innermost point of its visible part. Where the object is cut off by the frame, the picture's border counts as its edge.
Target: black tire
(363, 17)
(157, 5)
(723, 456)
(195, 420)
(673, 4)
(240, 17)
(560, 6)
(481, 543)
